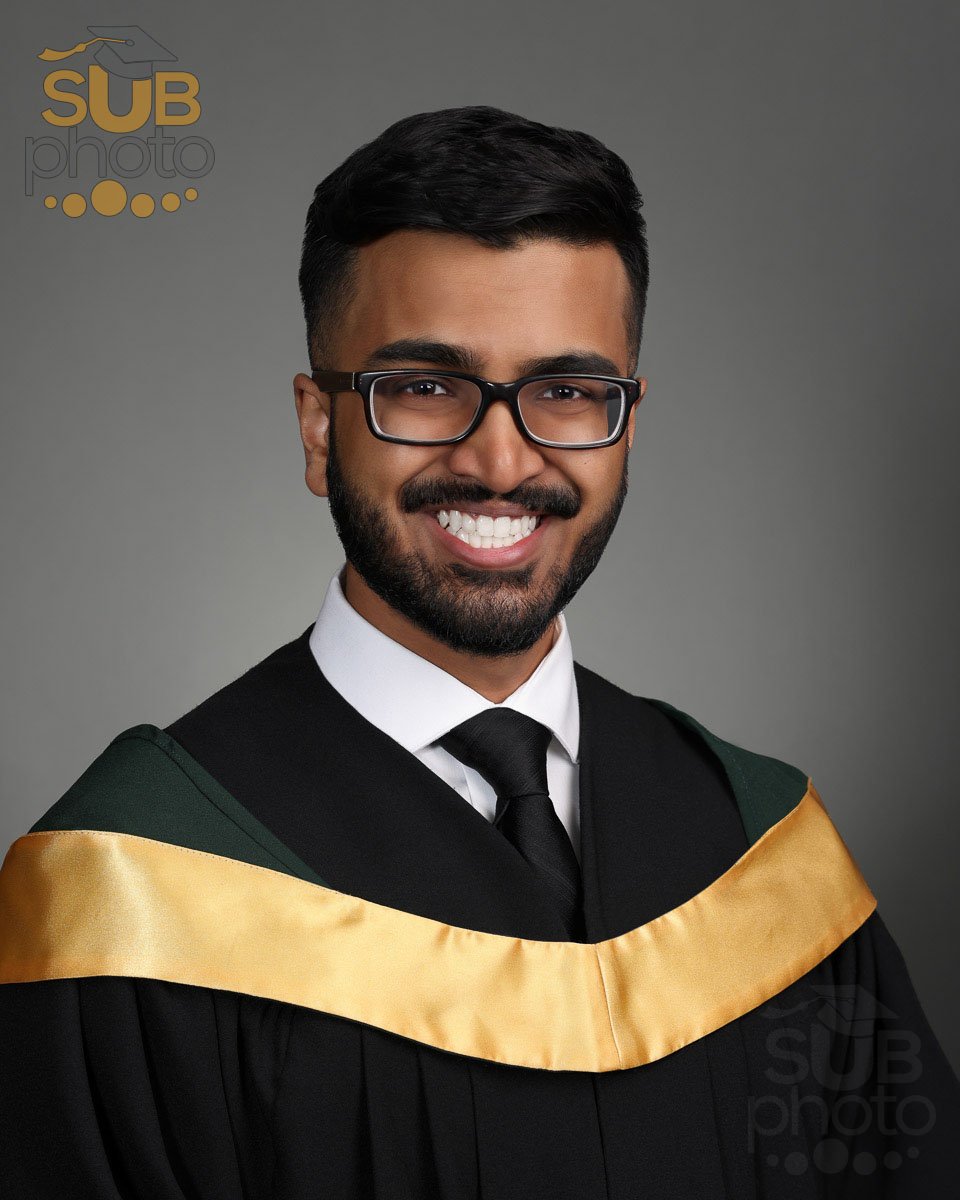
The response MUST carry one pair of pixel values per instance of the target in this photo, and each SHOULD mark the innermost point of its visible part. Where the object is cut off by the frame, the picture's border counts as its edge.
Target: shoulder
(765, 788)
(146, 783)
(139, 784)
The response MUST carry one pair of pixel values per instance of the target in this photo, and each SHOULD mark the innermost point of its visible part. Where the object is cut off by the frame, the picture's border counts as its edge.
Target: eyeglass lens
(428, 407)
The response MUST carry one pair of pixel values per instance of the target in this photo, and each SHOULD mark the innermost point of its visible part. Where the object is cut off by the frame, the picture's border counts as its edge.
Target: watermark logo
(874, 1092)
(121, 85)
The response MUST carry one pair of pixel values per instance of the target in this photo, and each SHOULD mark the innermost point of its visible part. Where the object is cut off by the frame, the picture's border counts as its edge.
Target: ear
(632, 419)
(313, 413)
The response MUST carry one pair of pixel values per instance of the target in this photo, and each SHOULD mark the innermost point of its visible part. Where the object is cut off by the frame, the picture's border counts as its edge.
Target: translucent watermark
(120, 90)
(826, 1106)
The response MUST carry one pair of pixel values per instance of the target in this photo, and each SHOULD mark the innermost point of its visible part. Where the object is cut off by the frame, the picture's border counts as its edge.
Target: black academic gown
(139, 1088)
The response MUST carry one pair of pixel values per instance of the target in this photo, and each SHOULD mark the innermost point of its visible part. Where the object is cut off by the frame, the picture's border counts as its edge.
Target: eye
(571, 391)
(565, 391)
(426, 386)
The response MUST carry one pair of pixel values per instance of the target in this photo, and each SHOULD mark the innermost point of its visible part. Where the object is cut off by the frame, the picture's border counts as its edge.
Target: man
(418, 906)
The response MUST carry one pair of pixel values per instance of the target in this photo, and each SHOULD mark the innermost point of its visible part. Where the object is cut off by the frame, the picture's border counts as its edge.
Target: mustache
(554, 501)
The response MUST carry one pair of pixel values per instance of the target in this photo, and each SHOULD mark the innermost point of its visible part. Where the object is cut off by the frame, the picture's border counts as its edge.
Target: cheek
(594, 473)
(383, 469)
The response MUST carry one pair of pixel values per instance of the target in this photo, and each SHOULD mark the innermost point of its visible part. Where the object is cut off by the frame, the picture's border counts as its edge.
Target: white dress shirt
(415, 702)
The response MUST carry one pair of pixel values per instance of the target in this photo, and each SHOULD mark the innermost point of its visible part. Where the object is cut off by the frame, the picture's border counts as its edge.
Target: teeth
(484, 531)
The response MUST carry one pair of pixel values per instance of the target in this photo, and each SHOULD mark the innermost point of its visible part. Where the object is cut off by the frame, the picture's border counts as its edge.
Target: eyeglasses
(430, 408)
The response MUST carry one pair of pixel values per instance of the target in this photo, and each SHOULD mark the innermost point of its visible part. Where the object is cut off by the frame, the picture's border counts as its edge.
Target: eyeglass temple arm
(335, 381)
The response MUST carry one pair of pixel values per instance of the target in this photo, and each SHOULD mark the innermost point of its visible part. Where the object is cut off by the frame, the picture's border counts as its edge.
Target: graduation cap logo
(126, 50)
(850, 1009)
(847, 1008)
(152, 90)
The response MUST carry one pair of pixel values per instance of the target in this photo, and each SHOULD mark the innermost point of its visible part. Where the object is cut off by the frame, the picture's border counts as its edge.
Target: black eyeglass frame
(362, 382)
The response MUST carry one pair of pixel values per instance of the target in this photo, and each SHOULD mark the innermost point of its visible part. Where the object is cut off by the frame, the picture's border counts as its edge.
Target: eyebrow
(461, 358)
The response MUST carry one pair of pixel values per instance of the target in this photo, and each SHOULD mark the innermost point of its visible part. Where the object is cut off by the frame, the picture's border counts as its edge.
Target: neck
(494, 678)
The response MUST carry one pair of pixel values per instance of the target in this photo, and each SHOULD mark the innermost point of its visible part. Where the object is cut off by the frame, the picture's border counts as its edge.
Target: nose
(497, 453)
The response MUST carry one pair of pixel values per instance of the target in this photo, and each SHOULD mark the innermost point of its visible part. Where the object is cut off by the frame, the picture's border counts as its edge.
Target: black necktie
(509, 749)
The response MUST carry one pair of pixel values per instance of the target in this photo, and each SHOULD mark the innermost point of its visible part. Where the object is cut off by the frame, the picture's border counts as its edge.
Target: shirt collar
(412, 699)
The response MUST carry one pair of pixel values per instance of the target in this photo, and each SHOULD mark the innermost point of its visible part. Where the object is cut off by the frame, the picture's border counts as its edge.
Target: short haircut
(493, 175)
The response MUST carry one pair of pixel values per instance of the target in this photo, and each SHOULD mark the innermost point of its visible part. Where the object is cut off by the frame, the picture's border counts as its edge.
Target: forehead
(535, 297)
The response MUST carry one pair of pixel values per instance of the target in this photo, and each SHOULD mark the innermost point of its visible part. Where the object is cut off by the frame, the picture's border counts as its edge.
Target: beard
(481, 611)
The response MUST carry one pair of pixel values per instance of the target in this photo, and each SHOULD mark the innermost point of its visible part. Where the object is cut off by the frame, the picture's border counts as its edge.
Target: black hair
(493, 175)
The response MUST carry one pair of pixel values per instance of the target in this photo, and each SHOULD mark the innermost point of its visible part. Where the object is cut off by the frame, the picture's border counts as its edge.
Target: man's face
(499, 314)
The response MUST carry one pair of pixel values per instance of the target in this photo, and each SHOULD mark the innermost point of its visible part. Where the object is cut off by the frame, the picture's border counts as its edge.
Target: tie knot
(508, 748)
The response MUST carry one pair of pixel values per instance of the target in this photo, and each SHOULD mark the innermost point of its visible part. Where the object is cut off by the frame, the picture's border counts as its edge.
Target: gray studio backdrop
(785, 568)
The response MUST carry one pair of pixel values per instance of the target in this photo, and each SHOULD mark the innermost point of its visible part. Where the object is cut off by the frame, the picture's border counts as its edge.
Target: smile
(483, 531)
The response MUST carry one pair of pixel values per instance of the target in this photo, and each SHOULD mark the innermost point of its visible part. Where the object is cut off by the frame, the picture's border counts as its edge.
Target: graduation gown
(266, 952)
